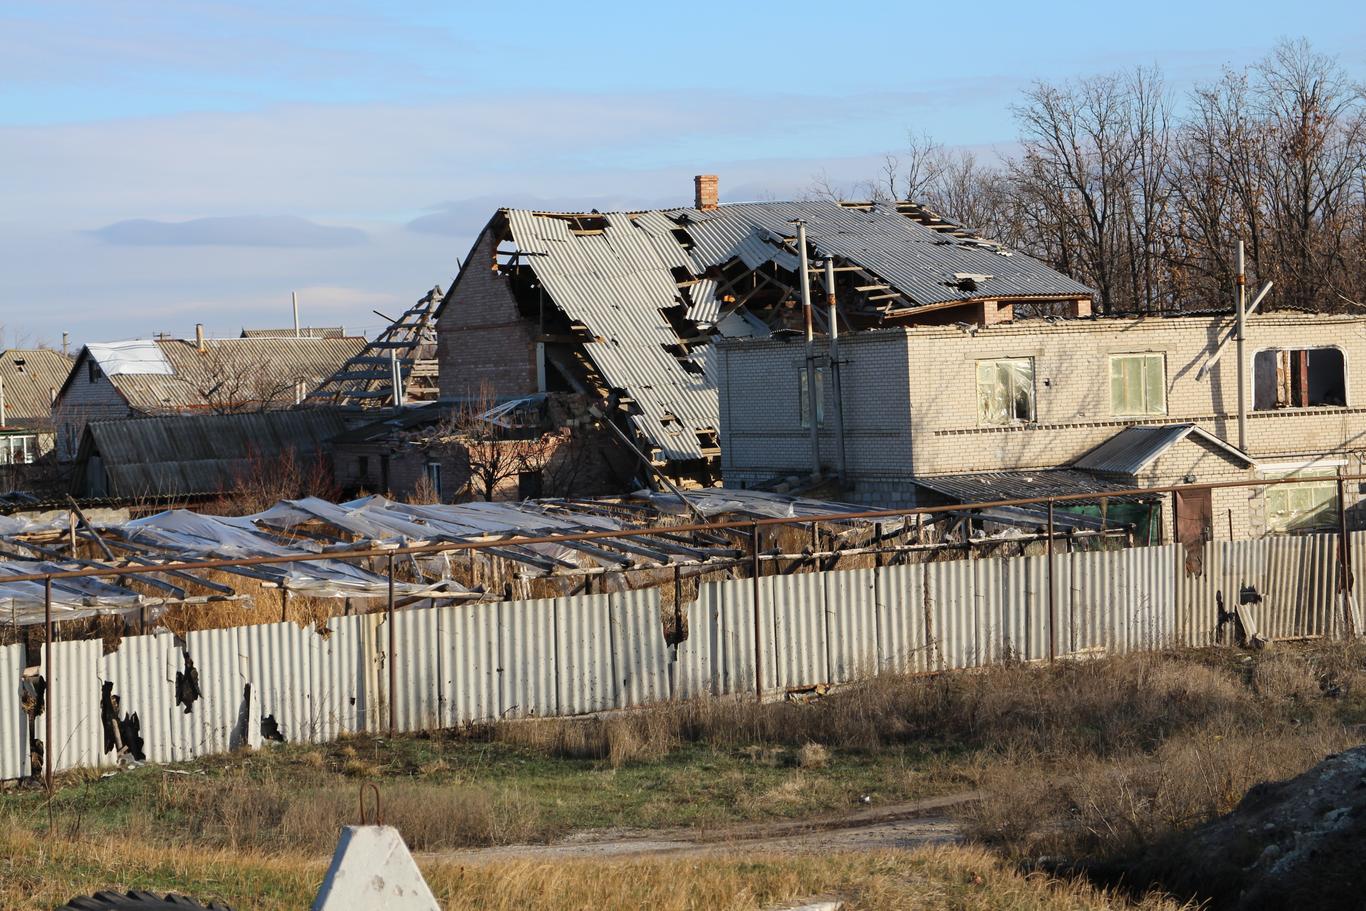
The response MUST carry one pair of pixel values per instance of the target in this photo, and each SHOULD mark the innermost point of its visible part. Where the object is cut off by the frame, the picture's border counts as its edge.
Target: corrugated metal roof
(618, 277)
(1134, 448)
(180, 455)
(986, 486)
(30, 375)
(232, 371)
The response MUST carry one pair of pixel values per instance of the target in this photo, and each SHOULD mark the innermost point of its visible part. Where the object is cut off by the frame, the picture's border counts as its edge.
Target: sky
(167, 164)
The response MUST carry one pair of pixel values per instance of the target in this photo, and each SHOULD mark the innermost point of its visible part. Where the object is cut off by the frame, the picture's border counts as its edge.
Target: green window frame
(1138, 384)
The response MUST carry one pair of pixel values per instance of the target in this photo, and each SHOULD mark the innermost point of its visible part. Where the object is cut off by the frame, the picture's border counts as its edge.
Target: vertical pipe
(393, 670)
(1344, 562)
(834, 330)
(294, 299)
(1052, 602)
(1242, 361)
(812, 398)
(758, 626)
(47, 679)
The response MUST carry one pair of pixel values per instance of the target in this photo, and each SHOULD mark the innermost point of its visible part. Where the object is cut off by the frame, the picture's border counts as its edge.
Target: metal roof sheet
(618, 277)
(30, 375)
(180, 455)
(1134, 448)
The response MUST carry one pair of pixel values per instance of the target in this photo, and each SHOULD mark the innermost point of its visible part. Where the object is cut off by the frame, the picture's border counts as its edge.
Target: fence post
(47, 685)
(1052, 603)
(758, 625)
(1344, 562)
(393, 670)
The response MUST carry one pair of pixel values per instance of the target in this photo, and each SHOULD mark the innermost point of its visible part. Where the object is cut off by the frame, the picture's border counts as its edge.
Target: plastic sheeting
(142, 357)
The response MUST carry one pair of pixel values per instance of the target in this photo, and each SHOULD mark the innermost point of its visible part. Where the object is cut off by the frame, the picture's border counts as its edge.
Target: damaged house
(152, 377)
(29, 379)
(1034, 407)
(626, 307)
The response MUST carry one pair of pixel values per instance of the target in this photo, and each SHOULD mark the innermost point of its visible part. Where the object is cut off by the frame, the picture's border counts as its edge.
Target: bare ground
(902, 825)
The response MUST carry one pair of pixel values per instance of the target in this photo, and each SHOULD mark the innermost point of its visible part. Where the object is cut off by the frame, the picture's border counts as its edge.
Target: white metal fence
(588, 653)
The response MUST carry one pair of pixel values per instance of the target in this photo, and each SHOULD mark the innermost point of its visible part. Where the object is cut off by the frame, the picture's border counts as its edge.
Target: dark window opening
(1299, 378)
(363, 468)
(530, 485)
(93, 369)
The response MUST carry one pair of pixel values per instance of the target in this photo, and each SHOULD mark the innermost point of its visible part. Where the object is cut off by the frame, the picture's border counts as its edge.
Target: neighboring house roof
(187, 454)
(156, 375)
(304, 332)
(1134, 448)
(30, 375)
(616, 274)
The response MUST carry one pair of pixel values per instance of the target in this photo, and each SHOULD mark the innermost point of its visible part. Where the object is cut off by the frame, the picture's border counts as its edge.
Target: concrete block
(373, 871)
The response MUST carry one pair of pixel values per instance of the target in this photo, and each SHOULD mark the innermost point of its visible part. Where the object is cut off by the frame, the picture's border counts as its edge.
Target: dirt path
(901, 825)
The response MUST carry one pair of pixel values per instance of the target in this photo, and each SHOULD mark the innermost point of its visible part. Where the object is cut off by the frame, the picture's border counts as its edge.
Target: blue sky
(167, 164)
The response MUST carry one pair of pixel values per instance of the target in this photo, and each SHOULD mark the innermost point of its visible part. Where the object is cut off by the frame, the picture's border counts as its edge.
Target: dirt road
(900, 825)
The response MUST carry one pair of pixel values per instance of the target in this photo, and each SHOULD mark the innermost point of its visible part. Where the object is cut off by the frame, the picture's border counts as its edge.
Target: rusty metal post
(284, 603)
(1052, 596)
(393, 670)
(1344, 562)
(758, 625)
(47, 684)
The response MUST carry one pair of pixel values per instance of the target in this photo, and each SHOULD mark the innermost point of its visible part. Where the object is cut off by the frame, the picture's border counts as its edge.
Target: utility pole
(812, 396)
(841, 465)
(1242, 361)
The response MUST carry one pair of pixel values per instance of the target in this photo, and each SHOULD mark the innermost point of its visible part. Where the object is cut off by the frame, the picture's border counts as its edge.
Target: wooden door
(1194, 525)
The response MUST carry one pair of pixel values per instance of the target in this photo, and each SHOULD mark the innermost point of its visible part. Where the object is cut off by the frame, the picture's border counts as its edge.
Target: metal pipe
(393, 670)
(47, 685)
(452, 546)
(1052, 602)
(754, 571)
(834, 331)
(294, 299)
(812, 396)
(1242, 360)
(1344, 561)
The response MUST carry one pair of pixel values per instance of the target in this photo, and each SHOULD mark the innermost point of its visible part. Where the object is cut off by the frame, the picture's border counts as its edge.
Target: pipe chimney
(705, 191)
(199, 337)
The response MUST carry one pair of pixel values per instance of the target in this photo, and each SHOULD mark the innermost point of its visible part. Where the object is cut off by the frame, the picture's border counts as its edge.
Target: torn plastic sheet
(194, 536)
(23, 603)
(139, 357)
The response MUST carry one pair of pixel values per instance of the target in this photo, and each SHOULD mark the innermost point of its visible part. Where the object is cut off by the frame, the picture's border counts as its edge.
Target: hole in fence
(187, 685)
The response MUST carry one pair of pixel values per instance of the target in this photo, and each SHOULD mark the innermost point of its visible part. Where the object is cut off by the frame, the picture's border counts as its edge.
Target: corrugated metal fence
(219, 689)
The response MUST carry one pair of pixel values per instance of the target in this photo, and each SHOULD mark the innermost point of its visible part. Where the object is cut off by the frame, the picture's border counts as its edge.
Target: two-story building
(1033, 407)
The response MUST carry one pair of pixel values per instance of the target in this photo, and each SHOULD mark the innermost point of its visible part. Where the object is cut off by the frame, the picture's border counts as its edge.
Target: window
(1138, 384)
(1298, 378)
(18, 450)
(805, 401)
(363, 467)
(92, 370)
(530, 484)
(1308, 506)
(434, 477)
(1005, 391)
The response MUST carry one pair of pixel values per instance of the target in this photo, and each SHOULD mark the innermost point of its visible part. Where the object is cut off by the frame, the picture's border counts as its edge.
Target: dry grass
(38, 873)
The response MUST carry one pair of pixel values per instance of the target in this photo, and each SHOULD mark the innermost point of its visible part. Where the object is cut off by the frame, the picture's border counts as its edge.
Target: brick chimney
(705, 191)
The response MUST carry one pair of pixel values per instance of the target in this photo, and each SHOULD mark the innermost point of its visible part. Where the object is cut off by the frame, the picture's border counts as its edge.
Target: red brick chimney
(705, 191)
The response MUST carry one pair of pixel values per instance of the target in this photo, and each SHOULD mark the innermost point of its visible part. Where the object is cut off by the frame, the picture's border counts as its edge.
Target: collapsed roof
(644, 293)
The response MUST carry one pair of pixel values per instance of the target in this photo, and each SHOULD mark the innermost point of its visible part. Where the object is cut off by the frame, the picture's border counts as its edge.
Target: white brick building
(929, 401)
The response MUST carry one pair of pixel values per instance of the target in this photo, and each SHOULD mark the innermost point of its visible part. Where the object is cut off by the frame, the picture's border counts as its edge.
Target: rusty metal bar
(1052, 595)
(758, 625)
(450, 546)
(393, 670)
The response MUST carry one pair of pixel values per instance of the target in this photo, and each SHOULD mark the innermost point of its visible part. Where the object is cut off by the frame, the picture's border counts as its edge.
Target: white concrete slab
(373, 871)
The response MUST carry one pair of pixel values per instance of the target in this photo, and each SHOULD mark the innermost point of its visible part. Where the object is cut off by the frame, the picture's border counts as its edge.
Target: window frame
(27, 449)
(982, 419)
(1146, 356)
(1252, 379)
(1312, 475)
(432, 472)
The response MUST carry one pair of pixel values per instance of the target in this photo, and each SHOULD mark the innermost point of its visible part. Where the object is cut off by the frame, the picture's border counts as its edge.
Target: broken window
(803, 396)
(530, 485)
(93, 370)
(21, 449)
(1005, 391)
(1138, 384)
(1308, 506)
(1298, 378)
(434, 478)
